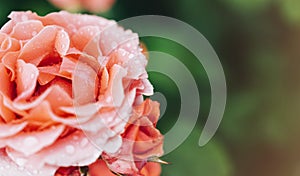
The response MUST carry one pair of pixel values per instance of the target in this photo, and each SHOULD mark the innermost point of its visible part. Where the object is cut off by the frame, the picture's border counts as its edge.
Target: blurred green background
(258, 43)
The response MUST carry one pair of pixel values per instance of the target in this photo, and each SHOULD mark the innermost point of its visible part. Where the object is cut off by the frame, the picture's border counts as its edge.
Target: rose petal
(104, 81)
(7, 44)
(18, 160)
(67, 67)
(6, 86)
(115, 87)
(151, 169)
(9, 60)
(8, 167)
(72, 22)
(26, 79)
(29, 143)
(99, 168)
(75, 149)
(55, 95)
(45, 78)
(114, 37)
(85, 84)
(26, 30)
(62, 42)
(40, 45)
(7, 130)
(87, 39)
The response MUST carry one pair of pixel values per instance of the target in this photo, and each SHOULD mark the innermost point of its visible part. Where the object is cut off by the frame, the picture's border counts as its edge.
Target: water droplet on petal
(21, 161)
(34, 33)
(30, 141)
(84, 142)
(131, 56)
(70, 149)
(108, 99)
(114, 44)
(24, 18)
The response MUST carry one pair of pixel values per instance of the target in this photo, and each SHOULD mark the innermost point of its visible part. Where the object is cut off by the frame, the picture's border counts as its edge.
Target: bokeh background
(258, 43)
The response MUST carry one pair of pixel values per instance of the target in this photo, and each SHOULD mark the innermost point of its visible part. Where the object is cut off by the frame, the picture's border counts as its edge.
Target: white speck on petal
(70, 149)
(21, 161)
(131, 56)
(84, 142)
(34, 33)
(30, 141)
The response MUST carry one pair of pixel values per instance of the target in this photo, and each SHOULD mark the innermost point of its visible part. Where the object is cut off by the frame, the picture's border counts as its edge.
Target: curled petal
(27, 75)
(8, 167)
(99, 168)
(32, 142)
(62, 42)
(7, 130)
(75, 149)
(40, 45)
(26, 30)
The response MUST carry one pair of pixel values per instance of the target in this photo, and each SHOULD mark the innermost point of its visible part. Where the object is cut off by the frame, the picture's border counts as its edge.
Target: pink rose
(141, 141)
(99, 168)
(68, 85)
(90, 5)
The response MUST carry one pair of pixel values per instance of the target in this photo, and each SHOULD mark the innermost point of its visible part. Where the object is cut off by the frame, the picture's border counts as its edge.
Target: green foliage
(190, 159)
(290, 10)
(248, 6)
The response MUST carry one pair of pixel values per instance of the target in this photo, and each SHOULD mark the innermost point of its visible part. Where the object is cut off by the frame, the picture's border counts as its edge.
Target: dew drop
(24, 18)
(131, 56)
(108, 99)
(101, 22)
(114, 44)
(136, 61)
(70, 149)
(32, 76)
(30, 141)
(21, 161)
(34, 33)
(75, 137)
(84, 142)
